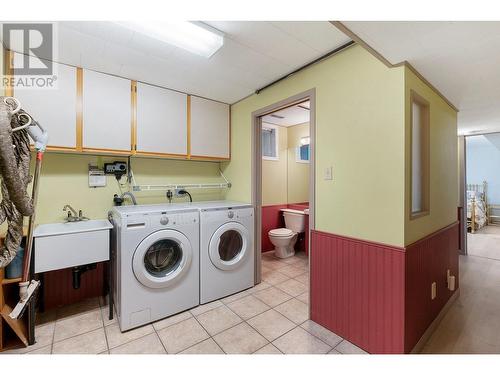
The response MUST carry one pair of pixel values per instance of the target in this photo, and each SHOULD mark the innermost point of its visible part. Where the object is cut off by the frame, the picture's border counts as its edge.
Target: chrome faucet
(73, 215)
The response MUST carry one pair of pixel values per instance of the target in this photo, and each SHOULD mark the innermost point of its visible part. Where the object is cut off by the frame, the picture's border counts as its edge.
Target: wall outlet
(329, 173)
(177, 192)
(433, 290)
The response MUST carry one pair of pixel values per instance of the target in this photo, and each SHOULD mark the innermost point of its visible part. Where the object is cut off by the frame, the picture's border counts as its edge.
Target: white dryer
(156, 262)
(226, 248)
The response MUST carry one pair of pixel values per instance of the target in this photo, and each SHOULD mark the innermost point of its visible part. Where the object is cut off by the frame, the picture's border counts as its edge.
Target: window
(270, 142)
(420, 123)
(302, 152)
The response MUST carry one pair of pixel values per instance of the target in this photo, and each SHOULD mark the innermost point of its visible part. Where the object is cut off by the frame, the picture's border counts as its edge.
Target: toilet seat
(281, 232)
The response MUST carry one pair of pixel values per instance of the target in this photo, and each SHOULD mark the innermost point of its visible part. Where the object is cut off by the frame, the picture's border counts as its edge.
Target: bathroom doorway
(283, 186)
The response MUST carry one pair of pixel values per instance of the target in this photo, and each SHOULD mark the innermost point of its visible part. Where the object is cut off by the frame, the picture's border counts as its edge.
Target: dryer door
(229, 246)
(162, 259)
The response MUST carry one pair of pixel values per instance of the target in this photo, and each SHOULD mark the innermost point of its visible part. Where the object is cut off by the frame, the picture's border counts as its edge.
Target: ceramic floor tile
(206, 307)
(271, 324)
(88, 343)
(218, 320)
(208, 346)
(321, 333)
(274, 277)
(116, 337)
(272, 296)
(43, 336)
(81, 307)
(333, 351)
(49, 316)
(296, 311)
(149, 344)
(291, 260)
(346, 347)
(299, 341)
(275, 265)
(292, 287)
(235, 297)
(241, 339)
(248, 307)
(291, 271)
(45, 350)
(70, 326)
(268, 349)
(171, 320)
(304, 297)
(182, 335)
(257, 288)
(304, 278)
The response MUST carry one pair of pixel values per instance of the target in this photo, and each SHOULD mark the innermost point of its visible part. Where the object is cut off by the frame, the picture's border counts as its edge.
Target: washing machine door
(229, 246)
(162, 259)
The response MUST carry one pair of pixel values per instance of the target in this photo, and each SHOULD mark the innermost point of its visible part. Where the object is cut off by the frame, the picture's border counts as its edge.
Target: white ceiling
(461, 59)
(486, 140)
(254, 54)
(297, 114)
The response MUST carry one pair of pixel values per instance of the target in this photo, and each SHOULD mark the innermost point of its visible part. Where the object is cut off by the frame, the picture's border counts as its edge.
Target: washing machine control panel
(172, 219)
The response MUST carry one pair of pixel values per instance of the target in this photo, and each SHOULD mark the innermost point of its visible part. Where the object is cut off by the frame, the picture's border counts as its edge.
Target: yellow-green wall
(359, 131)
(284, 180)
(64, 180)
(298, 173)
(443, 198)
(274, 173)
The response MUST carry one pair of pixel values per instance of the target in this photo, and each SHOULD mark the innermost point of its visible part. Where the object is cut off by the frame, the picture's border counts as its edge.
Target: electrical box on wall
(97, 178)
(117, 168)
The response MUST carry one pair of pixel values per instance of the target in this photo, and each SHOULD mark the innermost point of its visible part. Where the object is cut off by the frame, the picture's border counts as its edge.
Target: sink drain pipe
(79, 271)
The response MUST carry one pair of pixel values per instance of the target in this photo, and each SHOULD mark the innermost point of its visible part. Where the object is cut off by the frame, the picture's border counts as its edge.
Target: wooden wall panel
(379, 296)
(427, 261)
(58, 286)
(357, 291)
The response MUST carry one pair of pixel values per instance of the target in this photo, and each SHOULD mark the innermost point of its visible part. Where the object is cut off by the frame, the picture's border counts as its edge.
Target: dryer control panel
(162, 219)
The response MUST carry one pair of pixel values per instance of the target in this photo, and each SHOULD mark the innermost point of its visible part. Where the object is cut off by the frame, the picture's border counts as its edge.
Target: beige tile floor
(485, 242)
(270, 318)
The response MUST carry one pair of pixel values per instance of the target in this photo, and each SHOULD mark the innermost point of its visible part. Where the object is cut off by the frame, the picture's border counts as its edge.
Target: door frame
(462, 191)
(257, 166)
(462, 152)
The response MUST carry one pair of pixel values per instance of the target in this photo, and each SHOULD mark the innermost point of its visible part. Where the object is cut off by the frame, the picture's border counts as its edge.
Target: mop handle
(31, 224)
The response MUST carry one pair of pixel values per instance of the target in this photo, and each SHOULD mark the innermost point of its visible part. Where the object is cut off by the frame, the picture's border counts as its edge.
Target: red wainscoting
(357, 291)
(427, 260)
(58, 286)
(379, 296)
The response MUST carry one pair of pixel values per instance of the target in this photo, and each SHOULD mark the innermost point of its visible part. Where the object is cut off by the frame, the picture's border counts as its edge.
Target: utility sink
(71, 244)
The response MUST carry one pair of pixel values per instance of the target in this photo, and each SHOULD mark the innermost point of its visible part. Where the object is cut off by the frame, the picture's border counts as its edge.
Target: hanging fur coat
(14, 172)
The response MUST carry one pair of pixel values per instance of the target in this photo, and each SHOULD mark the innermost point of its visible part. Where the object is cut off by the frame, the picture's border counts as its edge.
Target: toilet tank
(294, 220)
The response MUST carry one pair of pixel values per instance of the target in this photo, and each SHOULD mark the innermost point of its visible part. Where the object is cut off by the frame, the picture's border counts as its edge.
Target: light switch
(329, 173)
(433, 290)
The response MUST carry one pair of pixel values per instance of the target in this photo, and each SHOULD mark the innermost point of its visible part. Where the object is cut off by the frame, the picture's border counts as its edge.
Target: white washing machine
(156, 262)
(226, 248)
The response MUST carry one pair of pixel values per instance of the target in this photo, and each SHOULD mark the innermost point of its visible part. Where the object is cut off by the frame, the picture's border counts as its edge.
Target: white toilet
(284, 239)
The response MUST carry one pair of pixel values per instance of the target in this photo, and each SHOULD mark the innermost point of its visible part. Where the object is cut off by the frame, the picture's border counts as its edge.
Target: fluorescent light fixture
(305, 141)
(195, 37)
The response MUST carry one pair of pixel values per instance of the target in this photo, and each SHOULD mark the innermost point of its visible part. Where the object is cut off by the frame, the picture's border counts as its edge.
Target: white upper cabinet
(106, 112)
(209, 128)
(54, 108)
(161, 120)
